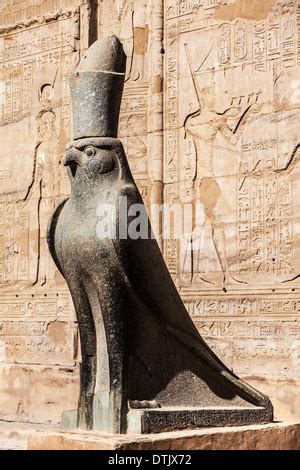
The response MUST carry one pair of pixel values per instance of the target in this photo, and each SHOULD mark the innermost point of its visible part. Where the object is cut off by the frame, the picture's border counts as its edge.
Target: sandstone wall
(210, 122)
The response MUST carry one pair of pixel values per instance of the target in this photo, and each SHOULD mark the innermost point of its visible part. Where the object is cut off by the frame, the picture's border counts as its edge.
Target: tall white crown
(96, 89)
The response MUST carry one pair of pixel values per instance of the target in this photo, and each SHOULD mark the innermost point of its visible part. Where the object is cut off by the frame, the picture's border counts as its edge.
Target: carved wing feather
(51, 233)
(150, 279)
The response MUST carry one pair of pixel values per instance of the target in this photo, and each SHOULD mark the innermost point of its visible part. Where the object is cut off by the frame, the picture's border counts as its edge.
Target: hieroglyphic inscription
(33, 307)
(34, 67)
(128, 19)
(264, 212)
(244, 306)
(232, 151)
(224, 43)
(171, 136)
(251, 330)
(253, 347)
(24, 57)
(259, 42)
(37, 342)
(40, 43)
(224, 119)
(133, 132)
(266, 218)
(14, 12)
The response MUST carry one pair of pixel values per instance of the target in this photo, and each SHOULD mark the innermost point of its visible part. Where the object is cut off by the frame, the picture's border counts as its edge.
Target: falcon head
(95, 159)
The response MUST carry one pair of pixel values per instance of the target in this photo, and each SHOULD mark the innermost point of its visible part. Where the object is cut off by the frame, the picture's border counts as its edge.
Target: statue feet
(138, 405)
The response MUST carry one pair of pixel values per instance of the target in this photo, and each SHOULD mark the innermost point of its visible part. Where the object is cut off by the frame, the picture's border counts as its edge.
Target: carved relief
(209, 118)
(129, 20)
(38, 342)
(232, 151)
(240, 40)
(265, 222)
(39, 45)
(34, 64)
(224, 43)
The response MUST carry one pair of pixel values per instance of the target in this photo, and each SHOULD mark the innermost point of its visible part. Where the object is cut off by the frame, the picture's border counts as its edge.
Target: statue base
(276, 436)
(172, 419)
(157, 420)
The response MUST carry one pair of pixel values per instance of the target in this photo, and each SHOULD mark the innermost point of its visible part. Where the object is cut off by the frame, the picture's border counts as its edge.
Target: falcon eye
(89, 151)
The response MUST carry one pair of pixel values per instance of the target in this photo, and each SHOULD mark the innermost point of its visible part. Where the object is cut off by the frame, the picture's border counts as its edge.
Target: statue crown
(96, 89)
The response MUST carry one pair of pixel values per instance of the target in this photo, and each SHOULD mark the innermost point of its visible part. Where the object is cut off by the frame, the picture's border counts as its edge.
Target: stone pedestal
(278, 436)
(167, 419)
(177, 418)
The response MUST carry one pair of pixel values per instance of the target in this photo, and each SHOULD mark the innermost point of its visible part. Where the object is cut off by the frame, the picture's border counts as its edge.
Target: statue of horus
(141, 352)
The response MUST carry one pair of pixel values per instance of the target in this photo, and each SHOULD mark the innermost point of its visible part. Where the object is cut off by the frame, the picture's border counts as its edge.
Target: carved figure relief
(202, 127)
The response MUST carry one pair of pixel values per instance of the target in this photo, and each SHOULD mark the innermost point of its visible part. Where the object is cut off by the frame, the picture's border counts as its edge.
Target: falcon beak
(73, 160)
(72, 157)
